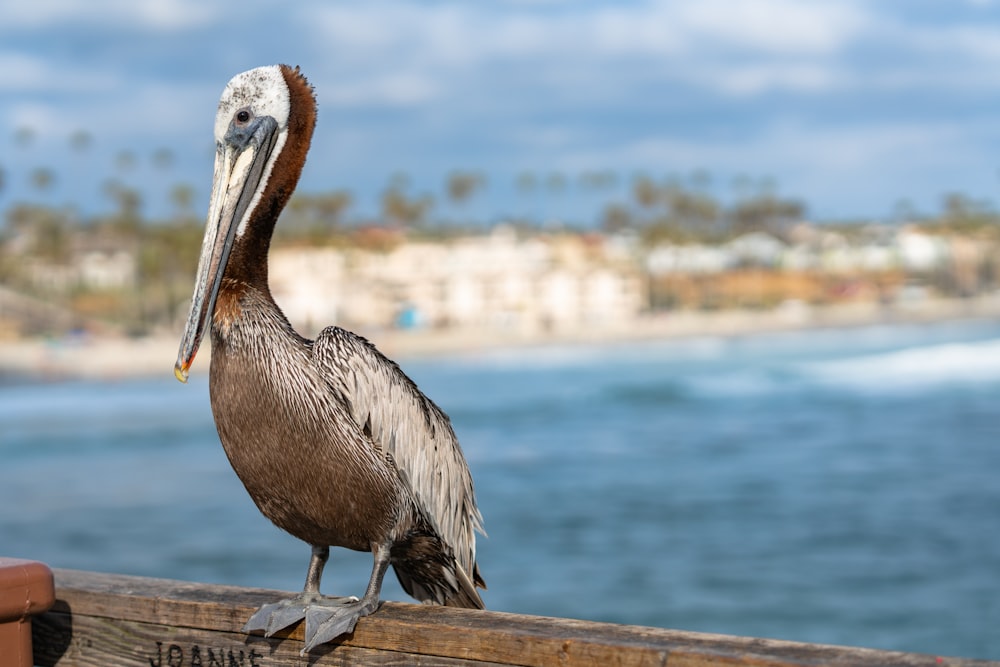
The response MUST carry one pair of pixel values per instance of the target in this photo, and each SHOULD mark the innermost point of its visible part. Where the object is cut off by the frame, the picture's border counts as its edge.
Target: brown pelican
(334, 443)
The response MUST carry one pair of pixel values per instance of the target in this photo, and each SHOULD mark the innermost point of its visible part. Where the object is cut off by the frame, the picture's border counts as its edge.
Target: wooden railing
(113, 620)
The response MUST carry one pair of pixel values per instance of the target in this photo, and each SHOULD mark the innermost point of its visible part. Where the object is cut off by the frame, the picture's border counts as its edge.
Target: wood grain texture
(99, 642)
(112, 620)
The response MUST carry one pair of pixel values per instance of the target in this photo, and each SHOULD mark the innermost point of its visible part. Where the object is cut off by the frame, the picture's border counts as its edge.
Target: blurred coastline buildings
(549, 284)
(506, 281)
(495, 281)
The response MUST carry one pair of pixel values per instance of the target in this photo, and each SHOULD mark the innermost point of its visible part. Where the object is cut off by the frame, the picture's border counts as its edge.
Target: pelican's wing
(410, 427)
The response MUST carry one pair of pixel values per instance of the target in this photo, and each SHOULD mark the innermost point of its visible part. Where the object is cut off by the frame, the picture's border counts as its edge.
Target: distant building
(305, 283)
(492, 282)
(756, 249)
(919, 251)
(106, 269)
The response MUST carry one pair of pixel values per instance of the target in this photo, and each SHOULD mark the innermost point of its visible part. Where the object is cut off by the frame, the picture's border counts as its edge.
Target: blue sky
(850, 106)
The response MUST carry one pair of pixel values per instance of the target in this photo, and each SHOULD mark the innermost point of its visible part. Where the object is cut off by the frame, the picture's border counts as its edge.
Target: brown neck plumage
(248, 262)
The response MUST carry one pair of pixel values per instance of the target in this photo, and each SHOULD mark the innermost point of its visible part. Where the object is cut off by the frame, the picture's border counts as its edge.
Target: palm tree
(616, 218)
(400, 209)
(24, 136)
(80, 140)
(182, 197)
(315, 218)
(163, 158)
(330, 209)
(555, 185)
(645, 191)
(125, 161)
(526, 184)
(765, 211)
(127, 220)
(597, 180)
(462, 185)
(42, 179)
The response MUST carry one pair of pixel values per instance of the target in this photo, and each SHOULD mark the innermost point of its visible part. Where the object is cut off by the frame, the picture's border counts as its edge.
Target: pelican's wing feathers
(402, 421)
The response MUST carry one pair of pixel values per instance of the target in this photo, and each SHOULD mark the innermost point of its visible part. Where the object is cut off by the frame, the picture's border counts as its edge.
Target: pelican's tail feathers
(428, 570)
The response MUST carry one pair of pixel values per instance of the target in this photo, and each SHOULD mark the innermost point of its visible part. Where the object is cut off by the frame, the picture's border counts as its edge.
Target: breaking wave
(916, 368)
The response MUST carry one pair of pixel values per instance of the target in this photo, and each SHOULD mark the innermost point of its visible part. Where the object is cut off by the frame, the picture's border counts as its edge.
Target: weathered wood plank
(131, 614)
(92, 641)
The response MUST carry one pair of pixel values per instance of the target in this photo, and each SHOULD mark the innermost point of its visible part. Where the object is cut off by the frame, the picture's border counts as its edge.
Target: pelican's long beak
(241, 162)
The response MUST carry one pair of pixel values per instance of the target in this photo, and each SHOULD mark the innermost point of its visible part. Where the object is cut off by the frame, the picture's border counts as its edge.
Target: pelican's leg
(278, 615)
(324, 624)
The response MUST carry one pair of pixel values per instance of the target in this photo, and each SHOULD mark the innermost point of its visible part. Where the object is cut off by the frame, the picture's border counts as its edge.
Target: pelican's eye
(242, 117)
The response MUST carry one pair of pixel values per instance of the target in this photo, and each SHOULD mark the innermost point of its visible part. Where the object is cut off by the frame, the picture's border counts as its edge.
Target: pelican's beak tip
(181, 372)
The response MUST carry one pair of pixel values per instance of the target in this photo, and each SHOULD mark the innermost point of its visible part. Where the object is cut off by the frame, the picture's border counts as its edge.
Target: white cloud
(21, 72)
(391, 90)
(42, 119)
(792, 145)
(980, 43)
(168, 15)
(732, 47)
(149, 115)
(155, 112)
(756, 78)
(769, 26)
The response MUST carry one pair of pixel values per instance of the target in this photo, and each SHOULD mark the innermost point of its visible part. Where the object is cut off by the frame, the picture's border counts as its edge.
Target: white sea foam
(913, 368)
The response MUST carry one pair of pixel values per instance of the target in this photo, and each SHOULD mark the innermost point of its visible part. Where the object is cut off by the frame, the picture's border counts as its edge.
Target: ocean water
(835, 486)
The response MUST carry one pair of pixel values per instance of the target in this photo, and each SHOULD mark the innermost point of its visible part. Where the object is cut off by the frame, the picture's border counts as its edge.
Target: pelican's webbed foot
(326, 618)
(324, 624)
(276, 616)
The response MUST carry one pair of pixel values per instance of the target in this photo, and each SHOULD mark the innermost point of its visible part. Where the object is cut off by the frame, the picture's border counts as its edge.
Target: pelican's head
(254, 161)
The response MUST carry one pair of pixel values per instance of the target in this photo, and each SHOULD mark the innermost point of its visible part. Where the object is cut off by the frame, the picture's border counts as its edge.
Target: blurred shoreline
(110, 358)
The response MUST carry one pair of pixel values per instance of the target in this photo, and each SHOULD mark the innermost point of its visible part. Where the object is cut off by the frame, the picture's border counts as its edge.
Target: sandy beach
(115, 358)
